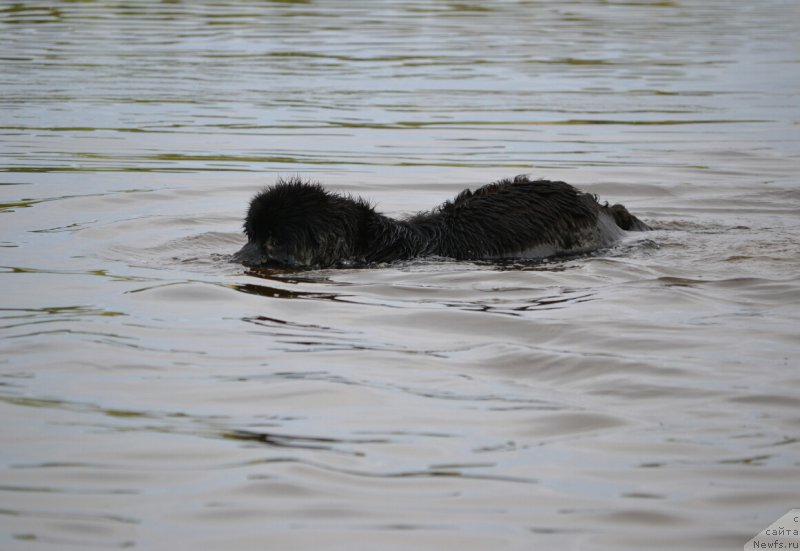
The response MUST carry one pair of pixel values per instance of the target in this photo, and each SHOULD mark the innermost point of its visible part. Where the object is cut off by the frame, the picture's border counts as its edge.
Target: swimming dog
(300, 224)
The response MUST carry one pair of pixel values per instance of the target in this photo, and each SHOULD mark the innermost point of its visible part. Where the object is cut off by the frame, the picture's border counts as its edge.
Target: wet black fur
(301, 224)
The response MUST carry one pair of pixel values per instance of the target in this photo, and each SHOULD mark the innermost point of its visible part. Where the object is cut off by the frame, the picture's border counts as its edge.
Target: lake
(156, 396)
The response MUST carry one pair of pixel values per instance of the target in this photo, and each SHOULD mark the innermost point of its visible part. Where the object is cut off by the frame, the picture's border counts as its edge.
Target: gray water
(155, 396)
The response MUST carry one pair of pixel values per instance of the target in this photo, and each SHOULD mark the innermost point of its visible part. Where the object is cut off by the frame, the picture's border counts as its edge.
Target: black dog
(295, 223)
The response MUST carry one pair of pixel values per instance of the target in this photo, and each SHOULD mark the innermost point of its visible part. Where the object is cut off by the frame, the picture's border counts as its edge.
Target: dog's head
(295, 223)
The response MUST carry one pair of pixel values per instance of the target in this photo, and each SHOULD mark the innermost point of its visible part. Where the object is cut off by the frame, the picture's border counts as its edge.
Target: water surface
(155, 396)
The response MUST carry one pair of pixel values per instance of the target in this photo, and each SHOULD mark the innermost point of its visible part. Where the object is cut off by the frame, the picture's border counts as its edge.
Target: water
(155, 396)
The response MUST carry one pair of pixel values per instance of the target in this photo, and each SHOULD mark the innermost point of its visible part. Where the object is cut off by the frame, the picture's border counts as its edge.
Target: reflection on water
(152, 392)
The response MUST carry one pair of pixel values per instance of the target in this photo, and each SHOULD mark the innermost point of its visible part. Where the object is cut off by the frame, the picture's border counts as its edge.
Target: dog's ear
(260, 216)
